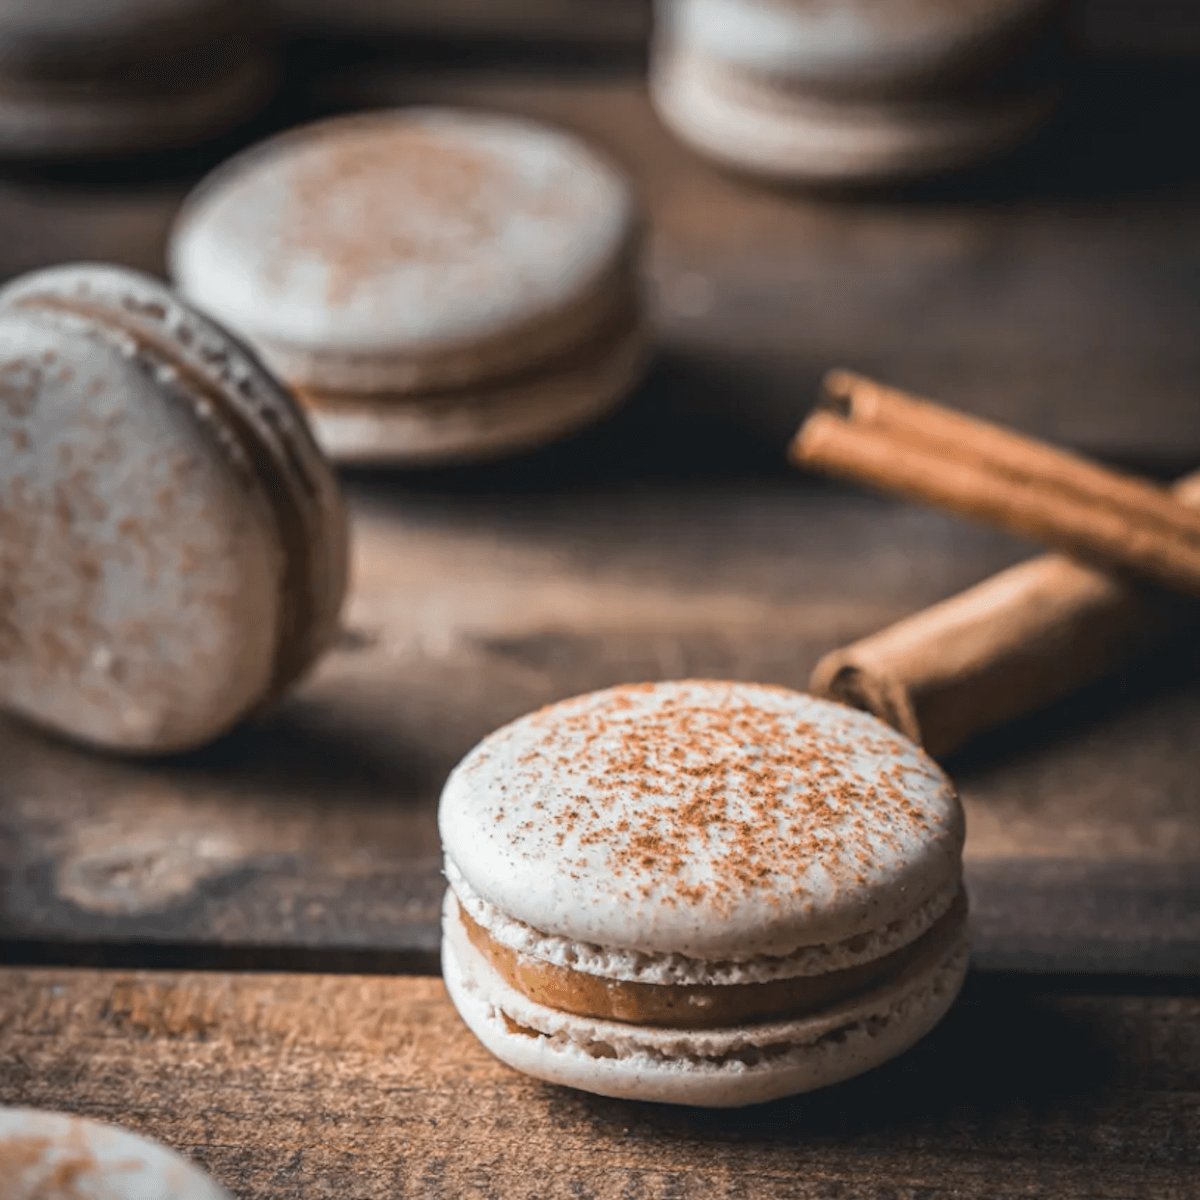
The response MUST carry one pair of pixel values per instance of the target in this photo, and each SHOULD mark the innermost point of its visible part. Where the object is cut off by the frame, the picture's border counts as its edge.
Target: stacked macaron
(434, 284)
(699, 892)
(54, 1156)
(172, 543)
(100, 77)
(844, 91)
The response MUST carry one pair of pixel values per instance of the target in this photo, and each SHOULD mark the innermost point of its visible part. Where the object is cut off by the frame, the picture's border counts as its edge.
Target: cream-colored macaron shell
(53, 1156)
(485, 420)
(409, 250)
(172, 543)
(750, 125)
(854, 46)
(705, 819)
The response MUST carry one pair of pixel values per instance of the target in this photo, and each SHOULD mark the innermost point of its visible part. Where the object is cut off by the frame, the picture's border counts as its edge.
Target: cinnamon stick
(912, 448)
(1003, 648)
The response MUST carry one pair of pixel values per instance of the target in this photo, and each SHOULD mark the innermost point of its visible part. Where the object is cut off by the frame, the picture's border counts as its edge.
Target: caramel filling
(700, 1006)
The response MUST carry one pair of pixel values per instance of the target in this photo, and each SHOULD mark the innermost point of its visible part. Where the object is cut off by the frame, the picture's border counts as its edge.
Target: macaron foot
(750, 126)
(486, 421)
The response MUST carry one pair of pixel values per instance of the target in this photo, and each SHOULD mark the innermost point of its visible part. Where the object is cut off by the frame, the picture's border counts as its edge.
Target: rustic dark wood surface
(294, 1087)
(1056, 291)
(310, 834)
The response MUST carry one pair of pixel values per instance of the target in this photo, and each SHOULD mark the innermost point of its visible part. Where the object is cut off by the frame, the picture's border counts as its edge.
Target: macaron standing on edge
(701, 892)
(92, 78)
(172, 543)
(55, 1156)
(468, 288)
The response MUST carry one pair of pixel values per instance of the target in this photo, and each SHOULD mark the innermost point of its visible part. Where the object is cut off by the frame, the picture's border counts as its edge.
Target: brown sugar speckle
(366, 198)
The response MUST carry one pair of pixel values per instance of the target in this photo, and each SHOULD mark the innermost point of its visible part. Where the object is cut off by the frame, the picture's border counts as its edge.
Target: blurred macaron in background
(860, 91)
(97, 78)
(435, 284)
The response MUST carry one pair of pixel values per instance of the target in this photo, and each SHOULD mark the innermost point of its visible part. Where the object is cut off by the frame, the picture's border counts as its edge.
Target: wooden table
(236, 951)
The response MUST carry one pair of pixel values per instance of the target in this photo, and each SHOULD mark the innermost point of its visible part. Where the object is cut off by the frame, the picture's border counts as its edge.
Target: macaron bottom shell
(717, 1068)
(753, 126)
(93, 124)
(484, 421)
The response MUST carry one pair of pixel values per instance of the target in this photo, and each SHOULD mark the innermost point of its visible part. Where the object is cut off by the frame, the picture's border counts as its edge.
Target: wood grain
(309, 836)
(306, 1087)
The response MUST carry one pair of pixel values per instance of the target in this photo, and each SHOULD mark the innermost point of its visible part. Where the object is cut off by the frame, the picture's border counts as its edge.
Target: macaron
(436, 285)
(752, 125)
(858, 47)
(53, 1156)
(172, 542)
(107, 77)
(861, 91)
(701, 892)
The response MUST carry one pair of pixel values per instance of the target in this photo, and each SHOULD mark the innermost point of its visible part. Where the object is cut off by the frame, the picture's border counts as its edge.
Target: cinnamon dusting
(701, 793)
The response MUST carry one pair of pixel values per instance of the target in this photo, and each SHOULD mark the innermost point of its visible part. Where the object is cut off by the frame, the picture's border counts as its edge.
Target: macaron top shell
(854, 44)
(404, 249)
(173, 546)
(52, 1156)
(101, 37)
(716, 820)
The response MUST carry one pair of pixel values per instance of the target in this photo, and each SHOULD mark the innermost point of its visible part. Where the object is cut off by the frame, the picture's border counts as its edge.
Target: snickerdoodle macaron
(857, 91)
(172, 542)
(858, 47)
(751, 125)
(86, 78)
(701, 892)
(55, 1156)
(435, 284)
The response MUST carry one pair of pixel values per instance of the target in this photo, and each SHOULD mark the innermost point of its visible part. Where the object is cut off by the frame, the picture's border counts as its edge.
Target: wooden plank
(1053, 291)
(290, 1087)
(310, 834)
